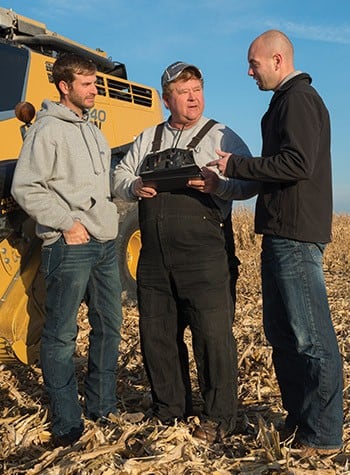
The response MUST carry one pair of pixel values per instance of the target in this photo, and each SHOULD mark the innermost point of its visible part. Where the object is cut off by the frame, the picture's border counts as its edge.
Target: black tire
(128, 249)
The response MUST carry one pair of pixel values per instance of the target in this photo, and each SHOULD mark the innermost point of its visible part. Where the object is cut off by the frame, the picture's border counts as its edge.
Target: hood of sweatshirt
(60, 111)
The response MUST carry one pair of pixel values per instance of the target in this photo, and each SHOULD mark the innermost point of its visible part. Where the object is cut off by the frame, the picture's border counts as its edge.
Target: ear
(277, 61)
(63, 86)
(165, 101)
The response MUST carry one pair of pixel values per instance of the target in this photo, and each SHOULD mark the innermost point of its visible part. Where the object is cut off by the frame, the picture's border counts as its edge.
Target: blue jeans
(298, 325)
(73, 273)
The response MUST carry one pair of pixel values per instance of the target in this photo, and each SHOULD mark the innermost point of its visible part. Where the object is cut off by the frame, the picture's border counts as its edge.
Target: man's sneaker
(109, 420)
(70, 438)
(288, 434)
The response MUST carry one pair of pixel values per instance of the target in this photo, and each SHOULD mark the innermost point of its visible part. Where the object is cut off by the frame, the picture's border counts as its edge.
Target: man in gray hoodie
(62, 180)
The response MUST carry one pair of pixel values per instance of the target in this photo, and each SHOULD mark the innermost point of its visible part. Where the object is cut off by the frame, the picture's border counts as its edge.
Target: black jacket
(295, 168)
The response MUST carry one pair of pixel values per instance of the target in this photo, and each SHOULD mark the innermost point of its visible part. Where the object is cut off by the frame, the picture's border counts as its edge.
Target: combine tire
(128, 248)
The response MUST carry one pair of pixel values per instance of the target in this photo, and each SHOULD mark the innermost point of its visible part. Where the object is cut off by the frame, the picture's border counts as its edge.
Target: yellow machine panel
(123, 108)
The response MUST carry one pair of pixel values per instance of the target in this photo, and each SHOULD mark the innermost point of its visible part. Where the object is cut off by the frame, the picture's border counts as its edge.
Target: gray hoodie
(63, 175)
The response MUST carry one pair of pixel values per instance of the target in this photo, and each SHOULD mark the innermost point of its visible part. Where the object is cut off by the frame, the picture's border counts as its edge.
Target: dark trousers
(233, 264)
(183, 278)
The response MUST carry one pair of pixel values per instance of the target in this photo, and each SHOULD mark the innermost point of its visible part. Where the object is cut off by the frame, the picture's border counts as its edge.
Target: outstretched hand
(221, 162)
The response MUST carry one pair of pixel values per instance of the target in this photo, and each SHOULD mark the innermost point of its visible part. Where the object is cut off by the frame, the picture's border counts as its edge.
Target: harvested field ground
(131, 447)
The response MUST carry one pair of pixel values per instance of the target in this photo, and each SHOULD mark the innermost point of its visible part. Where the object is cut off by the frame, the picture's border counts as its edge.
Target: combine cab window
(12, 78)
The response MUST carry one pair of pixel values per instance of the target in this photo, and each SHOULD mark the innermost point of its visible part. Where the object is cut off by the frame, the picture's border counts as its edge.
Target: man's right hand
(77, 234)
(221, 162)
(142, 191)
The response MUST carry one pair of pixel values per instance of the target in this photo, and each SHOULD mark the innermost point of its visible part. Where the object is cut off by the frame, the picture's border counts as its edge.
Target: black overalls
(183, 278)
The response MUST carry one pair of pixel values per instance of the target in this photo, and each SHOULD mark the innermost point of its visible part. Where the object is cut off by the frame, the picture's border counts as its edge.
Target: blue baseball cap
(173, 71)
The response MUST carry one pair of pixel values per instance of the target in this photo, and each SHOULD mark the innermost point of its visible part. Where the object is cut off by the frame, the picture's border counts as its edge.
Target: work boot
(211, 431)
(306, 451)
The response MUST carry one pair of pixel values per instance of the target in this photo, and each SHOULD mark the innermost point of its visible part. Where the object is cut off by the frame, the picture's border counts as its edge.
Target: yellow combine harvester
(122, 110)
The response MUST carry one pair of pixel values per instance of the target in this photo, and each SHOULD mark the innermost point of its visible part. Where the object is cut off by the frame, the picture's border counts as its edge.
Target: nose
(250, 71)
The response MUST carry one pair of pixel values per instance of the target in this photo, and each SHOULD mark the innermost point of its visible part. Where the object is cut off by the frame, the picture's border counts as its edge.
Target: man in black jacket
(294, 214)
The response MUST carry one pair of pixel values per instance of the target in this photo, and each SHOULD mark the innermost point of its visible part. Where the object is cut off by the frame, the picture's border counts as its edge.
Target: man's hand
(208, 184)
(221, 162)
(77, 234)
(142, 191)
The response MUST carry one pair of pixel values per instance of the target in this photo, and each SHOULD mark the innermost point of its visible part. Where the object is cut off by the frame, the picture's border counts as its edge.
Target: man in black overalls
(183, 275)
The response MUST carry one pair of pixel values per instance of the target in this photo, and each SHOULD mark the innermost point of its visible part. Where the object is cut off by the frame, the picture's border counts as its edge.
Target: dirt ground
(129, 446)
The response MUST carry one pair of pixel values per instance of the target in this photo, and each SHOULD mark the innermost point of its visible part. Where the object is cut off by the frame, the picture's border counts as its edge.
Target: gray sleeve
(126, 172)
(30, 182)
(232, 188)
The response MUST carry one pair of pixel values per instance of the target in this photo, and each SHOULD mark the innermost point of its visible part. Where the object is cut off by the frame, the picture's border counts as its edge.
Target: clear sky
(148, 35)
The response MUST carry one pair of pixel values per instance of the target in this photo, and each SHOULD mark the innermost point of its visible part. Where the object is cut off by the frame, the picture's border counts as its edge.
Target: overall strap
(194, 142)
(157, 137)
(197, 138)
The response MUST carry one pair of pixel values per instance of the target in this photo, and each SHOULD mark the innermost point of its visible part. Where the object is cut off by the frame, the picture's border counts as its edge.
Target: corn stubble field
(132, 447)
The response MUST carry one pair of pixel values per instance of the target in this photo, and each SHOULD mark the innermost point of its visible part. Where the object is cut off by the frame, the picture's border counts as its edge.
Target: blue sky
(147, 35)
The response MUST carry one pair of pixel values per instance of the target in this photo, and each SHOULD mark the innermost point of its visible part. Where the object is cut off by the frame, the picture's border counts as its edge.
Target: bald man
(294, 215)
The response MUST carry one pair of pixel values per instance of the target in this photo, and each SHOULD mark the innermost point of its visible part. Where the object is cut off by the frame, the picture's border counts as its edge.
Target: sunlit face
(262, 67)
(185, 101)
(81, 93)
